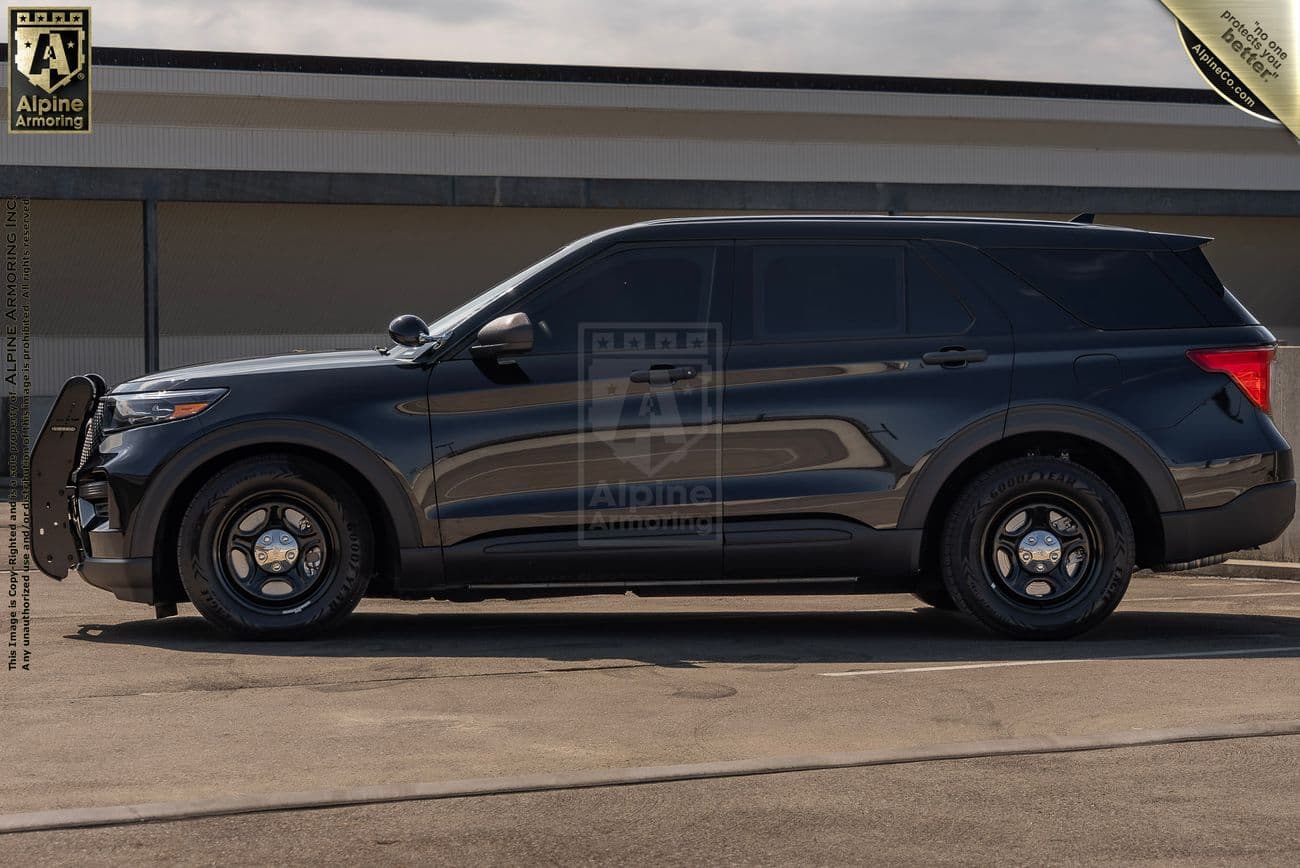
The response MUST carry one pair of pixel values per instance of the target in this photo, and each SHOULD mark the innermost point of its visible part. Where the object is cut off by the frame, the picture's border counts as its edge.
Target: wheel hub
(276, 551)
(1040, 551)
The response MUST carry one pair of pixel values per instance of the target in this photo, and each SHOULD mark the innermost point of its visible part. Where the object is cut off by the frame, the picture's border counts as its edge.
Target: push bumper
(55, 457)
(68, 531)
(1253, 518)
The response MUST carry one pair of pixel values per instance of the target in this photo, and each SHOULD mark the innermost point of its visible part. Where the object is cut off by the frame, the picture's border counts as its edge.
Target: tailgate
(54, 459)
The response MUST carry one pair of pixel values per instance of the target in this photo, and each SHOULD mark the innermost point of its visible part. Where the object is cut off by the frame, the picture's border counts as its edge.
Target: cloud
(1099, 41)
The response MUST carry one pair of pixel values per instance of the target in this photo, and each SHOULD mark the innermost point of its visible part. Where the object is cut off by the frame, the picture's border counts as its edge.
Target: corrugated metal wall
(284, 121)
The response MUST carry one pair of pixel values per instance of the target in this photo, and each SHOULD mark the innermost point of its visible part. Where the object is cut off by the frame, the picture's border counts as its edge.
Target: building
(236, 204)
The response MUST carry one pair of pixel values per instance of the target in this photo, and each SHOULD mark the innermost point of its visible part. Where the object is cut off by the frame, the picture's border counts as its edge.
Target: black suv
(1003, 416)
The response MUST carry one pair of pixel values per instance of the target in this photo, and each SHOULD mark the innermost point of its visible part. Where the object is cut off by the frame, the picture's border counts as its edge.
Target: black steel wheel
(275, 550)
(275, 547)
(1037, 548)
(1040, 549)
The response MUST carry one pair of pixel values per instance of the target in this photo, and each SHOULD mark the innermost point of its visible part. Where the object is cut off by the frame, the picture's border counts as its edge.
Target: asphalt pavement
(121, 709)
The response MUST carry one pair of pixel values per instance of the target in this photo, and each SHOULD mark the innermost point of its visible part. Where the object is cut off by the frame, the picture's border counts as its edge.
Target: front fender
(397, 496)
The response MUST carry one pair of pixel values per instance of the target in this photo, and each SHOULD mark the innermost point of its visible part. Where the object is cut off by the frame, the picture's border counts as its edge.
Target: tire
(934, 594)
(304, 520)
(1028, 508)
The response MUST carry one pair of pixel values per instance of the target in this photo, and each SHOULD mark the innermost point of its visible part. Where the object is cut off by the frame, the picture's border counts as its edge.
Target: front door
(597, 454)
(850, 363)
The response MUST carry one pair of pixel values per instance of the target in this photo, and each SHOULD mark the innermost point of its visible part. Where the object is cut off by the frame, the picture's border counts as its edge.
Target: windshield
(448, 322)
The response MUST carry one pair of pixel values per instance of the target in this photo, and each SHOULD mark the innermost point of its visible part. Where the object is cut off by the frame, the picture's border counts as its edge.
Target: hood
(218, 373)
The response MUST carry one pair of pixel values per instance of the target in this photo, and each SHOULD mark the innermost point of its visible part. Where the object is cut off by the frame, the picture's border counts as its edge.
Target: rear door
(850, 363)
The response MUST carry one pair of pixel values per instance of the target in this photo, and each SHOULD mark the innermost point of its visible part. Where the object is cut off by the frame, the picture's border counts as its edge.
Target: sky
(1093, 41)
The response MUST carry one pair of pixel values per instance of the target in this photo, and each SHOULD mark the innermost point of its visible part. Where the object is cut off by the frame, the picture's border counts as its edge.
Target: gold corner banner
(1246, 50)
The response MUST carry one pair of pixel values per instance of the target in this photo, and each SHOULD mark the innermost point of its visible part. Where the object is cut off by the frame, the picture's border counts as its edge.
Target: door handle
(954, 357)
(662, 375)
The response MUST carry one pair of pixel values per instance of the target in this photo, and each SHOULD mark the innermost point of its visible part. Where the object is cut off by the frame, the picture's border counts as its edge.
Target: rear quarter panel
(1213, 440)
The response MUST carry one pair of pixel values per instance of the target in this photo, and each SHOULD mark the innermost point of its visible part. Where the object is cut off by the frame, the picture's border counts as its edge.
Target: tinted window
(649, 285)
(1194, 276)
(1107, 289)
(932, 309)
(810, 292)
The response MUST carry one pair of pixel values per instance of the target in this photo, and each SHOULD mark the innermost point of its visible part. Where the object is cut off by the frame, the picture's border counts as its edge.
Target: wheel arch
(1121, 457)
(156, 525)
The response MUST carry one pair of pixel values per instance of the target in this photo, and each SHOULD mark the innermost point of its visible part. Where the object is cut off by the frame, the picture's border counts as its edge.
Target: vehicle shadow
(749, 637)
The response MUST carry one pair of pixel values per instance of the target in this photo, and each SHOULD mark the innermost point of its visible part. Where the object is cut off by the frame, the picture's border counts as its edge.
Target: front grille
(93, 432)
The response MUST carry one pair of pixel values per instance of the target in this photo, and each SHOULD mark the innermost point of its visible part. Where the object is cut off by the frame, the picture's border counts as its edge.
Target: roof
(982, 231)
(538, 72)
(230, 126)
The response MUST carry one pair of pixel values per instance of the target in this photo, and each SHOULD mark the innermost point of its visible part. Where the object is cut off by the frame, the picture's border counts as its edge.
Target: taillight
(1249, 369)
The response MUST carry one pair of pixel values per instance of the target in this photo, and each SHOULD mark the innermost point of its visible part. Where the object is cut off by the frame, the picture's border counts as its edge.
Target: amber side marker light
(1250, 369)
(180, 411)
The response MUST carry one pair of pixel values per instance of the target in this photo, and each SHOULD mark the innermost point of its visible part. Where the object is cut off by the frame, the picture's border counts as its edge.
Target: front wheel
(1037, 548)
(275, 547)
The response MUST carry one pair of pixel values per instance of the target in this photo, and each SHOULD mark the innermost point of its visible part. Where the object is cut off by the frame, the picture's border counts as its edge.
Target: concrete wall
(241, 279)
(1286, 414)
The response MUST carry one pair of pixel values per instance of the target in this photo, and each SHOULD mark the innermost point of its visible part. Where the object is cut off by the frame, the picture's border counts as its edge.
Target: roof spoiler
(1176, 241)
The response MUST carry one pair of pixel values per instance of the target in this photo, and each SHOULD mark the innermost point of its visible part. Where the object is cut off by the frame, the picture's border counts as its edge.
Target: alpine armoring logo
(49, 70)
(650, 444)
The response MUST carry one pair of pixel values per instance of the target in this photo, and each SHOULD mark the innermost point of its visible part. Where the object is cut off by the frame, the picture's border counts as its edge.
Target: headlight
(146, 408)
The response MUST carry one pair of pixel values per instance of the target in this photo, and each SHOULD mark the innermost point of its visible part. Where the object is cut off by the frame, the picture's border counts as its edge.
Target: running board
(656, 583)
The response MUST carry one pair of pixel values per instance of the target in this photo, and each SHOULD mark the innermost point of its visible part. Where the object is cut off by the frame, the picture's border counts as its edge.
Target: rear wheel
(275, 547)
(1037, 548)
(934, 594)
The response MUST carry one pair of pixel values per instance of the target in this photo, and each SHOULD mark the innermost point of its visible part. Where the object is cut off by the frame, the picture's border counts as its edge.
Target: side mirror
(409, 331)
(509, 335)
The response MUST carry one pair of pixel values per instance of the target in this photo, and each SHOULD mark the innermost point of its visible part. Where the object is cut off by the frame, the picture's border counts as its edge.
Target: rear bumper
(1254, 517)
(129, 579)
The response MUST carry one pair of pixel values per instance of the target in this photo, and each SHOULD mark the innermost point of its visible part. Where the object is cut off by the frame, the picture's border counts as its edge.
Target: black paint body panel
(813, 460)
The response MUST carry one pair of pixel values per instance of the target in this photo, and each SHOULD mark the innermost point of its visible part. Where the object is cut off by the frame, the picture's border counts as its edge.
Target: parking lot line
(117, 815)
(1215, 596)
(1005, 664)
